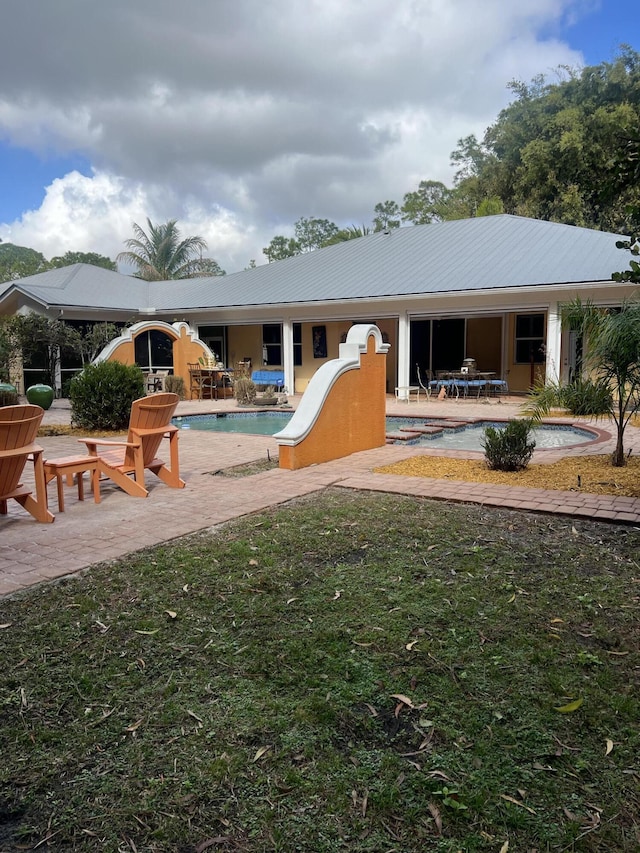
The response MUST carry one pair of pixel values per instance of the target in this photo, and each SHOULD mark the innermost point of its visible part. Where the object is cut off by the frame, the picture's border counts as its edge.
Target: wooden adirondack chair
(18, 431)
(149, 423)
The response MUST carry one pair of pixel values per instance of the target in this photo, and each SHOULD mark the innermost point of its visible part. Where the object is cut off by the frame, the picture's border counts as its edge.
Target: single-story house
(487, 288)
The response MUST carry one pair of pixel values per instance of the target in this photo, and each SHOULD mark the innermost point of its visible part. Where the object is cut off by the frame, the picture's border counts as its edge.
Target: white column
(403, 350)
(287, 355)
(553, 343)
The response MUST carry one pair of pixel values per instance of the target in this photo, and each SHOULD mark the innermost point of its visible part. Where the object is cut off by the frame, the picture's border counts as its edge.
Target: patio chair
(461, 385)
(498, 386)
(125, 462)
(156, 380)
(18, 430)
(201, 382)
(444, 379)
(475, 383)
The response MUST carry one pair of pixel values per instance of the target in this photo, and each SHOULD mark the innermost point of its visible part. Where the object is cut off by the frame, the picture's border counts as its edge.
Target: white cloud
(238, 117)
(95, 214)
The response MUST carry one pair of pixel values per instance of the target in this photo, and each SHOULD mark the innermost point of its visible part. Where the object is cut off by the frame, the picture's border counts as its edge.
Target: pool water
(471, 436)
(466, 437)
(251, 423)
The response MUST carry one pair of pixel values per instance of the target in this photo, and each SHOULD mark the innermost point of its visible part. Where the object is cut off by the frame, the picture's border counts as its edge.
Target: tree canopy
(310, 233)
(159, 254)
(19, 261)
(91, 258)
(554, 152)
(565, 149)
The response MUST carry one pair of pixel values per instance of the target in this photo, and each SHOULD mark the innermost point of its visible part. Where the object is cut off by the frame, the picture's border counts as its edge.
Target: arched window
(154, 350)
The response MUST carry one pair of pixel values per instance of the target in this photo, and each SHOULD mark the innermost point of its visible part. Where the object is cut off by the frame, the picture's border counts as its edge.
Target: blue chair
(462, 385)
(498, 386)
(269, 377)
(448, 383)
(477, 385)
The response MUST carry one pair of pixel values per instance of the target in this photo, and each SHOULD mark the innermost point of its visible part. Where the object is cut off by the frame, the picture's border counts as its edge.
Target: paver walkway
(85, 534)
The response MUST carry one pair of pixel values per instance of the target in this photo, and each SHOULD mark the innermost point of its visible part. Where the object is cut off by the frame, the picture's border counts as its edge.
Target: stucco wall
(351, 418)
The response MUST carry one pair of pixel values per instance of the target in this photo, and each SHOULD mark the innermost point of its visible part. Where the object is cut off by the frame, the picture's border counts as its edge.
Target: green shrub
(508, 448)
(66, 385)
(587, 397)
(583, 396)
(245, 390)
(101, 396)
(175, 385)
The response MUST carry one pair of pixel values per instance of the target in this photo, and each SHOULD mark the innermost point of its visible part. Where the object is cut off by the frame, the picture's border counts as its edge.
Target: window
(297, 344)
(529, 339)
(272, 344)
(153, 349)
(215, 337)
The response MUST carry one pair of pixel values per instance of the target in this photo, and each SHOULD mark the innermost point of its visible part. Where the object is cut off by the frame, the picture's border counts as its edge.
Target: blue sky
(237, 125)
(597, 35)
(25, 175)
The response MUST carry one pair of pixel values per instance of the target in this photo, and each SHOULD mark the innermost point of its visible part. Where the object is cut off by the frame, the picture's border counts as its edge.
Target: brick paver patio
(86, 533)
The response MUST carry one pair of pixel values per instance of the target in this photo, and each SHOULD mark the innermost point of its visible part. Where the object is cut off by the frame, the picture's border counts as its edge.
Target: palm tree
(160, 255)
(351, 232)
(612, 337)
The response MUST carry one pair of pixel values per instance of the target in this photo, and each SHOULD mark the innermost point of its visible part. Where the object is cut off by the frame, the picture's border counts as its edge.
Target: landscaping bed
(591, 474)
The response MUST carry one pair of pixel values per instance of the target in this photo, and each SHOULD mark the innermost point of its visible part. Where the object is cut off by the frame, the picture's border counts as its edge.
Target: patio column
(404, 349)
(287, 355)
(553, 343)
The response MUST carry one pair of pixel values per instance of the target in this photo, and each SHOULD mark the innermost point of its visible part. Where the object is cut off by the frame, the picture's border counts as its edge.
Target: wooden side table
(70, 467)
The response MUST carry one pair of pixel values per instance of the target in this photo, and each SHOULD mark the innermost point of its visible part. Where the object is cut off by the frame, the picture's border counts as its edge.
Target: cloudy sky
(238, 117)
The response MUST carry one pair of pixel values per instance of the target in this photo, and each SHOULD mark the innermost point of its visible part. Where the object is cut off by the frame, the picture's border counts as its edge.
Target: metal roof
(81, 286)
(490, 252)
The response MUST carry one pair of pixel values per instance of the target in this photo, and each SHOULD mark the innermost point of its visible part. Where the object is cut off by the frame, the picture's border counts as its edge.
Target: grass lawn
(358, 672)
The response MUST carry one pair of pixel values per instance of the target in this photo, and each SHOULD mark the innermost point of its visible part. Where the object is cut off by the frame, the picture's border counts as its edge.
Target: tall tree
(310, 234)
(553, 152)
(90, 339)
(387, 216)
(160, 254)
(91, 258)
(280, 248)
(426, 204)
(471, 159)
(35, 336)
(20, 262)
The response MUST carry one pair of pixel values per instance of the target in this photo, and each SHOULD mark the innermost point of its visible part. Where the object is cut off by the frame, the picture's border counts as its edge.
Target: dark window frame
(297, 344)
(272, 344)
(529, 342)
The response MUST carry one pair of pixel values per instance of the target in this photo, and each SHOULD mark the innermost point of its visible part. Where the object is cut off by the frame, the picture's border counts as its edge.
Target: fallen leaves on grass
(570, 707)
(262, 751)
(517, 803)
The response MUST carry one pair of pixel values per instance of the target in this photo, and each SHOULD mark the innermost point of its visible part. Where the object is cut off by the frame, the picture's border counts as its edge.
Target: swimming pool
(438, 432)
(469, 436)
(250, 423)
